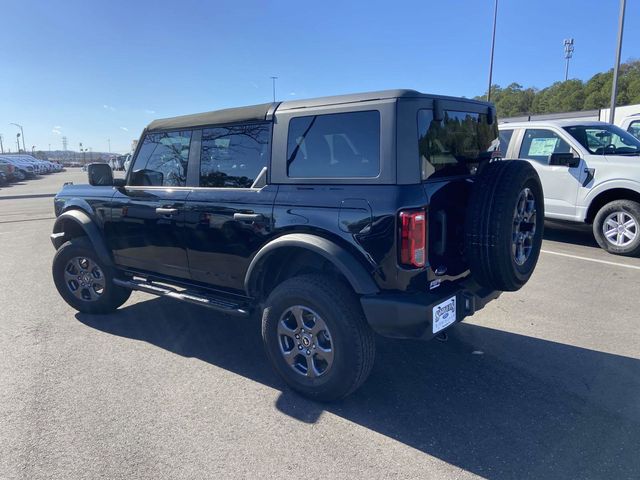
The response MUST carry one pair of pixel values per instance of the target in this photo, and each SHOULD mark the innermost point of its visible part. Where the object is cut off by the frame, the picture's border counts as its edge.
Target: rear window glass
(455, 145)
(334, 145)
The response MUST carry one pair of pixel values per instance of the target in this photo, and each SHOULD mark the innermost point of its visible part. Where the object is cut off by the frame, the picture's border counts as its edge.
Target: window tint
(334, 145)
(505, 139)
(162, 160)
(456, 144)
(232, 157)
(539, 144)
(634, 129)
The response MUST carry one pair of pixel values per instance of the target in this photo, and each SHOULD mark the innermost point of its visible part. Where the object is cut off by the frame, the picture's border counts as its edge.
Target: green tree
(572, 95)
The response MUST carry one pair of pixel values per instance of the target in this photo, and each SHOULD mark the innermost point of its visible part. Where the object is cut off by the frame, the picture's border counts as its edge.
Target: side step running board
(216, 303)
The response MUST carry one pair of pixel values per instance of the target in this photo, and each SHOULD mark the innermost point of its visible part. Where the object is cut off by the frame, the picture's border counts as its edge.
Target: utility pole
(1, 146)
(614, 87)
(109, 142)
(273, 81)
(18, 141)
(22, 133)
(568, 53)
(493, 46)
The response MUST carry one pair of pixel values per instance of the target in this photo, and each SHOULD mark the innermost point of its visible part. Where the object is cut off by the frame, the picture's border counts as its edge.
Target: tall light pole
(22, 132)
(1, 146)
(568, 53)
(109, 142)
(493, 46)
(614, 87)
(273, 81)
(18, 141)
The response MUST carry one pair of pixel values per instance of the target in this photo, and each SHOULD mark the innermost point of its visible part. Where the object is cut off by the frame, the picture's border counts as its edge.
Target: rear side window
(232, 157)
(162, 160)
(334, 145)
(539, 144)
(455, 145)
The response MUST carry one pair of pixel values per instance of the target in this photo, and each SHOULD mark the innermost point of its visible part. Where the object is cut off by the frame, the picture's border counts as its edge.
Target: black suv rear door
(146, 231)
(229, 217)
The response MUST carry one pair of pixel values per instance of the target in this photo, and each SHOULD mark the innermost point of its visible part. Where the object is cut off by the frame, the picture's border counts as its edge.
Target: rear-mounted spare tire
(504, 224)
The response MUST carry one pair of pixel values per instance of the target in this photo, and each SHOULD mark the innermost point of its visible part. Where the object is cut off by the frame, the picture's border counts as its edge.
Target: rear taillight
(413, 238)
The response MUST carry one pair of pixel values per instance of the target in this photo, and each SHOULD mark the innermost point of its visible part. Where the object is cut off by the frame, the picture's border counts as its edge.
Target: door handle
(166, 211)
(248, 217)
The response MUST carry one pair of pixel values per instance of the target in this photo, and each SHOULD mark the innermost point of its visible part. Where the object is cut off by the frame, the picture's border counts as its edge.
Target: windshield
(455, 145)
(605, 139)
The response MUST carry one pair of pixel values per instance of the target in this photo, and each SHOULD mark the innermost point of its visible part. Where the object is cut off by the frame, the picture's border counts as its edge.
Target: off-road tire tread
(339, 296)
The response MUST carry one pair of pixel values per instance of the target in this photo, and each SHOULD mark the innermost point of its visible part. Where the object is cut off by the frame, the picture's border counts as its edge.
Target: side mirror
(100, 174)
(491, 115)
(564, 160)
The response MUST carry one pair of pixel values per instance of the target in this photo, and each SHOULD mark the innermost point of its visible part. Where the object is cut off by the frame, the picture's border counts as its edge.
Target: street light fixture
(22, 132)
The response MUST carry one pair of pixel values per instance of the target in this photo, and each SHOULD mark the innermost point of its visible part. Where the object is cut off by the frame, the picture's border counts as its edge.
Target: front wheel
(83, 281)
(617, 227)
(317, 338)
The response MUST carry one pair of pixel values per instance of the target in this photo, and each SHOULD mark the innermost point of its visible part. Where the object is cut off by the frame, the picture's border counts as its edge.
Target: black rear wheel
(316, 337)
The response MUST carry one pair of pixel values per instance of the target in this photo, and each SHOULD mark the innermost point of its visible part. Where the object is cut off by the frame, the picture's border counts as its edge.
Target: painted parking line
(578, 257)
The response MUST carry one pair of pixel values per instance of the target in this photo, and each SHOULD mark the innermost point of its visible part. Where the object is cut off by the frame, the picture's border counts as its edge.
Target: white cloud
(124, 128)
(149, 111)
(293, 94)
(58, 127)
(56, 130)
(109, 107)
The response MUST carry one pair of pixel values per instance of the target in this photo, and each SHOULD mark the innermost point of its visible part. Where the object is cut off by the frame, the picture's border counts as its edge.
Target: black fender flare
(91, 230)
(355, 273)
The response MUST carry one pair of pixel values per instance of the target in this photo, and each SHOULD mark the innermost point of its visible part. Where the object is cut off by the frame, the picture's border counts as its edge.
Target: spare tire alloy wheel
(84, 279)
(305, 341)
(524, 226)
(620, 229)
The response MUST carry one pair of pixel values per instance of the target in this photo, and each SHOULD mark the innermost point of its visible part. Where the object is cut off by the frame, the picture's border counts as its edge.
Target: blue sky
(93, 70)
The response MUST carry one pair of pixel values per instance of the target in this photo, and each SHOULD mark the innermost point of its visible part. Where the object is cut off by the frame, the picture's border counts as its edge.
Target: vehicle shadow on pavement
(497, 404)
(578, 234)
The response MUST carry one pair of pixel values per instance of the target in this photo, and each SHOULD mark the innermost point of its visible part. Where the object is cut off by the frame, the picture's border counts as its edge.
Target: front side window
(334, 145)
(605, 139)
(634, 129)
(539, 144)
(456, 144)
(234, 156)
(162, 160)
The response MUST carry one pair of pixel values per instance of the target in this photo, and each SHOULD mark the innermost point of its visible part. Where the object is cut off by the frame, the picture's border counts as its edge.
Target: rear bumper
(410, 315)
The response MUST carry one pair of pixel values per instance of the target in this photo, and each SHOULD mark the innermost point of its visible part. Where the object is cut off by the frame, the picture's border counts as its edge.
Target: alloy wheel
(84, 279)
(620, 229)
(524, 227)
(305, 341)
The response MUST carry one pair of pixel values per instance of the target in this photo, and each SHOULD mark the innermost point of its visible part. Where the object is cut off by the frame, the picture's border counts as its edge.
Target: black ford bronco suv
(335, 218)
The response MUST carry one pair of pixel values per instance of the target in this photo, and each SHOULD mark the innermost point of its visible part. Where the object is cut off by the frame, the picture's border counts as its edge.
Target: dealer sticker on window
(444, 314)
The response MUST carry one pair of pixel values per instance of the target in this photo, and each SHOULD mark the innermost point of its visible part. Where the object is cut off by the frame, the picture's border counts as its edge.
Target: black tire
(352, 340)
(111, 296)
(490, 225)
(631, 210)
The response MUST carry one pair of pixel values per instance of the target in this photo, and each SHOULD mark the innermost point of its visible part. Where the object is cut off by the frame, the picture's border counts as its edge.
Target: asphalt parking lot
(543, 383)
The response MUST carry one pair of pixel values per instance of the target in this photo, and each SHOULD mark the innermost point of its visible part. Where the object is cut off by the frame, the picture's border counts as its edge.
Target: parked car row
(16, 168)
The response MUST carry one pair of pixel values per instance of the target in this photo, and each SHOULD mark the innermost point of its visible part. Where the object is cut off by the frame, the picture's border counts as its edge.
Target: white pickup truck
(590, 173)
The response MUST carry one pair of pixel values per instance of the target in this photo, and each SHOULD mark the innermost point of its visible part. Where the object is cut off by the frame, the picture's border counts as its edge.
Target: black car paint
(213, 234)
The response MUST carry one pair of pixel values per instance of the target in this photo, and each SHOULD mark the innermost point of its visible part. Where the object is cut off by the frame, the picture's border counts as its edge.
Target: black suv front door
(146, 231)
(229, 217)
